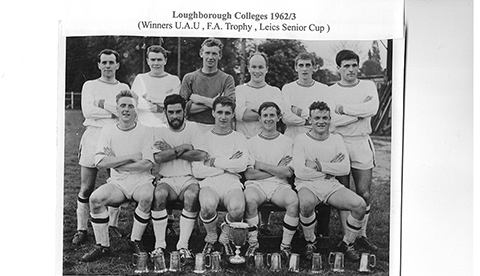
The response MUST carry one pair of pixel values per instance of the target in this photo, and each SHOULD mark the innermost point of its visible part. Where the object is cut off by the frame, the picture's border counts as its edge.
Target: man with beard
(319, 156)
(126, 149)
(173, 154)
(200, 88)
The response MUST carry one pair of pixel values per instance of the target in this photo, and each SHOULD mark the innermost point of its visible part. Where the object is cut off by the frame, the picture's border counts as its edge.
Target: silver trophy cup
(238, 235)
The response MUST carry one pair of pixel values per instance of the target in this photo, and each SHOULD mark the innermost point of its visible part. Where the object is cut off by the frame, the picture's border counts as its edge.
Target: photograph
(246, 156)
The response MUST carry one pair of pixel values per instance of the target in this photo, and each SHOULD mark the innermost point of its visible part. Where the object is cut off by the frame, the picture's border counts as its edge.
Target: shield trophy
(238, 235)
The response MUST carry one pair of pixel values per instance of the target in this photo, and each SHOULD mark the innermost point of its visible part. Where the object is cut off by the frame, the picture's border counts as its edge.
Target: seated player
(228, 156)
(270, 154)
(177, 181)
(126, 149)
(319, 156)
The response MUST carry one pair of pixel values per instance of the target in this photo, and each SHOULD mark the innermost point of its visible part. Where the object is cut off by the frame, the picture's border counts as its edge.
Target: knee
(190, 196)
(160, 198)
(292, 204)
(96, 201)
(365, 195)
(208, 206)
(236, 210)
(251, 201)
(359, 206)
(145, 200)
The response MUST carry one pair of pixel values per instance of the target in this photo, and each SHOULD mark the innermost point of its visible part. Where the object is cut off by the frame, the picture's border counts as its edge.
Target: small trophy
(238, 235)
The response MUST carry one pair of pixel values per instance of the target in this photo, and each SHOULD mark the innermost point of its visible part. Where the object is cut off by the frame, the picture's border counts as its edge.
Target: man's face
(304, 69)
(156, 61)
(211, 56)
(269, 118)
(320, 120)
(348, 70)
(175, 115)
(108, 65)
(223, 116)
(257, 68)
(127, 109)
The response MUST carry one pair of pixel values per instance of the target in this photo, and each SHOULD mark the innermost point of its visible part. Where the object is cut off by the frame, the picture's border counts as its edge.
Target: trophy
(238, 235)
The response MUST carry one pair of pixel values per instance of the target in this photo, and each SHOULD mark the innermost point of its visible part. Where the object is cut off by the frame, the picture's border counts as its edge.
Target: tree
(281, 60)
(372, 66)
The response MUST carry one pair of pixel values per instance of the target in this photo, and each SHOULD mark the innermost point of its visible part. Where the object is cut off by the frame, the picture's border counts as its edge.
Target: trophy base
(338, 270)
(364, 270)
(199, 271)
(237, 260)
(140, 271)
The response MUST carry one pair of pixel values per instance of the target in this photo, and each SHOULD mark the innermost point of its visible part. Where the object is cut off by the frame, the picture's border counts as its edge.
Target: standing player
(270, 154)
(359, 100)
(126, 149)
(251, 95)
(200, 88)
(228, 156)
(318, 156)
(298, 95)
(177, 182)
(153, 87)
(98, 108)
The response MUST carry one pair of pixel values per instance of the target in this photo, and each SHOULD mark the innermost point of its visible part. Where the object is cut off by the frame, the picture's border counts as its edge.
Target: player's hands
(297, 110)
(338, 158)
(196, 98)
(162, 145)
(99, 103)
(237, 155)
(310, 164)
(339, 109)
(367, 99)
(108, 151)
(285, 161)
(184, 147)
(318, 166)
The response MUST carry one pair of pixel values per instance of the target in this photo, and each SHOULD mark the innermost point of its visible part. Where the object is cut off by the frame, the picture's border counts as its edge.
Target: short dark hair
(265, 57)
(211, 42)
(318, 105)
(157, 49)
(346, 55)
(266, 105)
(174, 99)
(224, 101)
(109, 52)
(305, 56)
(128, 94)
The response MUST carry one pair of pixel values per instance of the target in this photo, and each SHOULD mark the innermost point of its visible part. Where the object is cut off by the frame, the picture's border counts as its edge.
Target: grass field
(120, 261)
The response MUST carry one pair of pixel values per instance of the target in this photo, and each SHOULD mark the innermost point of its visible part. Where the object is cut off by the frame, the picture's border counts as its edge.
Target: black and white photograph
(294, 78)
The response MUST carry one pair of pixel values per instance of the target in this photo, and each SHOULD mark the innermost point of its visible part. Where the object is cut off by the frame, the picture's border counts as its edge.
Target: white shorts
(321, 189)
(222, 184)
(178, 183)
(361, 152)
(131, 182)
(88, 146)
(267, 187)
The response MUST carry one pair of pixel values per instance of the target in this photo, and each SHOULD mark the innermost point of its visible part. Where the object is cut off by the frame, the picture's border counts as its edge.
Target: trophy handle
(209, 263)
(269, 259)
(374, 260)
(330, 261)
